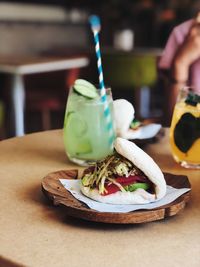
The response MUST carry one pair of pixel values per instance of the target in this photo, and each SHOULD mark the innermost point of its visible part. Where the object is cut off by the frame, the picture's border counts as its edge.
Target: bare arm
(178, 76)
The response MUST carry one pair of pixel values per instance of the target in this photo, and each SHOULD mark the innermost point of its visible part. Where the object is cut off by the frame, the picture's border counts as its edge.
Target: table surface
(35, 64)
(35, 233)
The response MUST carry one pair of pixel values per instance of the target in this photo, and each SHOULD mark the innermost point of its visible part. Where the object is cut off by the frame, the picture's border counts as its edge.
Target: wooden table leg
(18, 98)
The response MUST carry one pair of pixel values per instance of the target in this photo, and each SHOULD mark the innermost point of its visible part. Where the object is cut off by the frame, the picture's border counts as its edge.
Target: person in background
(179, 64)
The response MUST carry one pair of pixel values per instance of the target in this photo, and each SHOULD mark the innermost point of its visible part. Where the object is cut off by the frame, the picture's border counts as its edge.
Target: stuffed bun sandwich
(129, 176)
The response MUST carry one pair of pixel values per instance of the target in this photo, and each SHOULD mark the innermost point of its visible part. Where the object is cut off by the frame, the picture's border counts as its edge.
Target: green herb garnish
(135, 124)
(192, 99)
(186, 131)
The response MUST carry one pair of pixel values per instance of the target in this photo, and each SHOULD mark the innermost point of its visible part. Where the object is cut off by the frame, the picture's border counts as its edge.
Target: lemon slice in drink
(85, 88)
(76, 124)
(83, 147)
(78, 128)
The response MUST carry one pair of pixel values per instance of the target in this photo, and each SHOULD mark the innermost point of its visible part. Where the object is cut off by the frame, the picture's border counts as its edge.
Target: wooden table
(19, 66)
(35, 233)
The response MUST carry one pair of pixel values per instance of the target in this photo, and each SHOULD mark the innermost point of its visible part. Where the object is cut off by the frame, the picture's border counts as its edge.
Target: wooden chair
(48, 100)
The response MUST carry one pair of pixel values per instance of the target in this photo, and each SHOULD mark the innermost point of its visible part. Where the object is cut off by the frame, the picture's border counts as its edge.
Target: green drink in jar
(86, 137)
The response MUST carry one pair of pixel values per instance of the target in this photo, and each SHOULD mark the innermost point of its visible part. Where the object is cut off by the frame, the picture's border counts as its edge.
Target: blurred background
(132, 37)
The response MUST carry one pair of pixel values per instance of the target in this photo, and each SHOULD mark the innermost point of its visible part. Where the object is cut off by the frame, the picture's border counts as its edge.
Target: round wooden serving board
(55, 191)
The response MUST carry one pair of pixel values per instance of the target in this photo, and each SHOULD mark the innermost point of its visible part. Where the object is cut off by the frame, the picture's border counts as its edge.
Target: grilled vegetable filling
(115, 173)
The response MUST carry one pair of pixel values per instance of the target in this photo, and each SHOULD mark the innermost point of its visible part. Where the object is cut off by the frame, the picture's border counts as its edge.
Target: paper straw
(95, 26)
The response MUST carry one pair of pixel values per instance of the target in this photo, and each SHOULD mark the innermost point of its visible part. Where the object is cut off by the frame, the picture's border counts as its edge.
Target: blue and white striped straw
(96, 26)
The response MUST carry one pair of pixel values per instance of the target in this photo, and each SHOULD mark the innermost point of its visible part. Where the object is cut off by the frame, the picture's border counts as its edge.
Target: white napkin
(73, 186)
(143, 132)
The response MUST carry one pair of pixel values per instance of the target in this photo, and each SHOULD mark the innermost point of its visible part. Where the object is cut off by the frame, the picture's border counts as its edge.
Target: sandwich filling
(116, 173)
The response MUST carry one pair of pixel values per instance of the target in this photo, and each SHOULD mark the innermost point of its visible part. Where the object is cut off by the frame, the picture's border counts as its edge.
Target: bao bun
(123, 115)
(146, 164)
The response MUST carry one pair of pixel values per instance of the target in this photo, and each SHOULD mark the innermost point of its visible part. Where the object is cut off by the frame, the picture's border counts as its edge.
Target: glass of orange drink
(185, 128)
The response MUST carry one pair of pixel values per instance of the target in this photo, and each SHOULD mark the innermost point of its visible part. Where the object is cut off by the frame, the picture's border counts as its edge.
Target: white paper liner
(73, 186)
(143, 132)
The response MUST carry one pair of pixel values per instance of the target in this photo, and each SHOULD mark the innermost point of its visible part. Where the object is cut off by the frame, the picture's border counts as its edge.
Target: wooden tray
(55, 191)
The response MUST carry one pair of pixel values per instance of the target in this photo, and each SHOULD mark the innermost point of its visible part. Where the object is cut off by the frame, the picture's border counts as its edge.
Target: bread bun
(146, 164)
